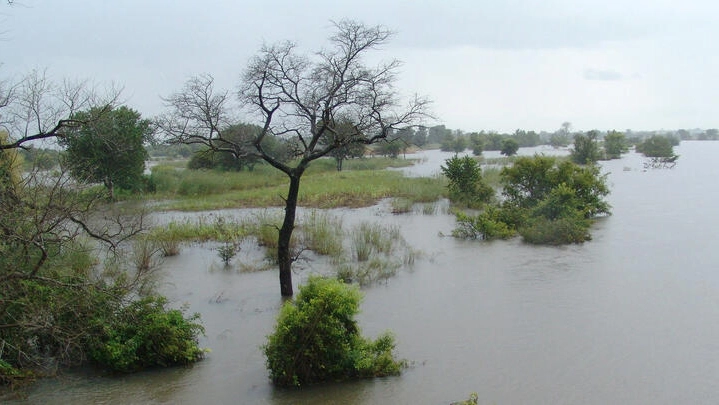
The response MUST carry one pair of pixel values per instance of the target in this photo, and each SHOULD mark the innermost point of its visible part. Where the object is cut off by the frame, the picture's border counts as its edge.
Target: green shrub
(466, 184)
(487, 225)
(317, 339)
(472, 400)
(10, 375)
(568, 229)
(145, 334)
(656, 146)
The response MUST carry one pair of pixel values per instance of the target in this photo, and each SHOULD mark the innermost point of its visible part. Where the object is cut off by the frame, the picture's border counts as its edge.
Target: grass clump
(323, 234)
(317, 339)
(377, 252)
(472, 400)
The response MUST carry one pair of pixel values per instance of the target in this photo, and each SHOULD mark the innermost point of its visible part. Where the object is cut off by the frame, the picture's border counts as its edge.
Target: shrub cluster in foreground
(146, 334)
(59, 305)
(317, 339)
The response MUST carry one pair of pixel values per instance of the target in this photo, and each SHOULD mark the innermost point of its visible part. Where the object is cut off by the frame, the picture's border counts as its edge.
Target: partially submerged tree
(656, 146)
(305, 99)
(586, 148)
(615, 143)
(509, 147)
(466, 184)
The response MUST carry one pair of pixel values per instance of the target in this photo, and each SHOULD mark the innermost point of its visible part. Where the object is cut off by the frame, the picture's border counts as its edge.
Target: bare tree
(35, 108)
(304, 98)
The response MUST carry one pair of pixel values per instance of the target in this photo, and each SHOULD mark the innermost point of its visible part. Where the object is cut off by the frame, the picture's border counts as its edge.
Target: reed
(322, 233)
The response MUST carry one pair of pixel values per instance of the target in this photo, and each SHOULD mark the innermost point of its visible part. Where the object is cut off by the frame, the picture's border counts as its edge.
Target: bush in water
(317, 339)
(145, 334)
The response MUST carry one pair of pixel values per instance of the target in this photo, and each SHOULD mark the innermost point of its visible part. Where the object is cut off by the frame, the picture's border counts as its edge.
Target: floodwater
(631, 317)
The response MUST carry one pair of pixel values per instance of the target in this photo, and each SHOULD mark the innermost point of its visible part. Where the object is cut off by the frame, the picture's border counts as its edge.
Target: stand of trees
(544, 200)
(58, 306)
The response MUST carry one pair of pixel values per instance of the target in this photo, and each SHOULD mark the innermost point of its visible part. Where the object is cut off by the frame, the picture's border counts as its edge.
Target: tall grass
(194, 190)
(323, 234)
(369, 238)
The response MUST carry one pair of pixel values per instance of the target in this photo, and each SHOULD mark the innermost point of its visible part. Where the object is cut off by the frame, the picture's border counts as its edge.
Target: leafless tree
(35, 108)
(303, 98)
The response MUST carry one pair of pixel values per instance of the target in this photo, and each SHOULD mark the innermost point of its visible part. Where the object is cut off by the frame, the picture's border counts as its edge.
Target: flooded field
(627, 318)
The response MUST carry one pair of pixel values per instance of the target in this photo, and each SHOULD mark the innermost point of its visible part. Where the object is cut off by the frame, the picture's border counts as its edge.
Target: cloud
(602, 75)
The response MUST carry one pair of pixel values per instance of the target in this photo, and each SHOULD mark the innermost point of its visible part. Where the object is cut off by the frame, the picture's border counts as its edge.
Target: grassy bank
(362, 183)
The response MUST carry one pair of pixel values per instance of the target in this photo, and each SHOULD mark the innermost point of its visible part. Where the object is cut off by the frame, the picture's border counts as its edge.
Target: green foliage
(40, 158)
(236, 150)
(530, 180)
(389, 148)
(527, 138)
(454, 143)
(358, 185)
(615, 143)
(546, 202)
(11, 376)
(145, 334)
(317, 339)
(108, 147)
(472, 400)
(227, 251)
(571, 228)
(490, 224)
(560, 138)
(586, 148)
(465, 181)
(345, 142)
(656, 146)
(510, 146)
(368, 238)
(476, 143)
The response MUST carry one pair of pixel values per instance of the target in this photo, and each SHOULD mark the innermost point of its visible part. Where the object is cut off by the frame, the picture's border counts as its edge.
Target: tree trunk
(110, 188)
(284, 254)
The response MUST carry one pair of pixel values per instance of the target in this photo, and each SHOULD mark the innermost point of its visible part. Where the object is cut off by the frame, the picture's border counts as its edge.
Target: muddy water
(630, 317)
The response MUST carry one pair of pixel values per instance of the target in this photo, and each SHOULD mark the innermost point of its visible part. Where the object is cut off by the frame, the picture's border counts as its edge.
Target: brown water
(631, 317)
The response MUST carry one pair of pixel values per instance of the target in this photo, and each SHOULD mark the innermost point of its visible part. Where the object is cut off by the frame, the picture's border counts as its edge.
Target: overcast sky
(486, 64)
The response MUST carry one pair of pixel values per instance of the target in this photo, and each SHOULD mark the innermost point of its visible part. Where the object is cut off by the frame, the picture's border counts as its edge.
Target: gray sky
(486, 64)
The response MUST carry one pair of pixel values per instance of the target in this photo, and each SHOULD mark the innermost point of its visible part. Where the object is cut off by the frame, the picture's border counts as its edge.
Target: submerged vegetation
(545, 201)
(317, 339)
(363, 254)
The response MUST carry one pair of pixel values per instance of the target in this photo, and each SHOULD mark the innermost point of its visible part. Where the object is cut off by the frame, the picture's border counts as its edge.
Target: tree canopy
(656, 146)
(466, 184)
(615, 143)
(108, 147)
(586, 148)
(510, 146)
